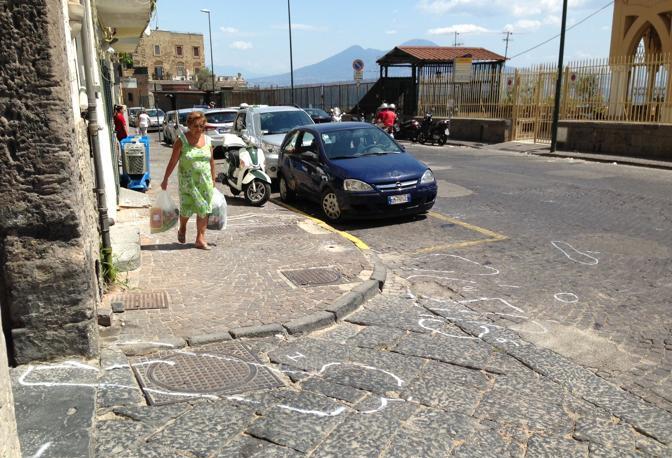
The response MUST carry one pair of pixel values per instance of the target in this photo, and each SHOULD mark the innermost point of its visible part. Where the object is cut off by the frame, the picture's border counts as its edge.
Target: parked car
(133, 113)
(156, 116)
(268, 125)
(353, 169)
(173, 120)
(318, 114)
(219, 121)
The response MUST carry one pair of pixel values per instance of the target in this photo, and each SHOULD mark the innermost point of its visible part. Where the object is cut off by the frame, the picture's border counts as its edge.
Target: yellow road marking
(358, 243)
(492, 236)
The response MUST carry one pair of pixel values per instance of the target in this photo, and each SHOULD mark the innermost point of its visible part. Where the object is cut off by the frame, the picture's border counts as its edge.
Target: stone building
(170, 55)
(55, 164)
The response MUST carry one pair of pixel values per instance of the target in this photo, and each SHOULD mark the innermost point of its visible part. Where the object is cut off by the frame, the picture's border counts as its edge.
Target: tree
(203, 79)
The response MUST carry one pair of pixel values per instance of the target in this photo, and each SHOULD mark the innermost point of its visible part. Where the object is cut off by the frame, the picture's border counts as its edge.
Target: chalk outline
(555, 242)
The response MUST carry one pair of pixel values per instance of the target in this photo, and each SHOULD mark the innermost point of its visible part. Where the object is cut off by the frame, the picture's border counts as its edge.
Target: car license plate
(398, 199)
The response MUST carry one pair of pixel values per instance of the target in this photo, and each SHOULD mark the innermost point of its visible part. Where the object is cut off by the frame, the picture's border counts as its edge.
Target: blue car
(353, 169)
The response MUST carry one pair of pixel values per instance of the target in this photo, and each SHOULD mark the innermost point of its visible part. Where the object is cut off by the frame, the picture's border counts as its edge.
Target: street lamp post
(558, 82)
(212, 62)
(291, 61)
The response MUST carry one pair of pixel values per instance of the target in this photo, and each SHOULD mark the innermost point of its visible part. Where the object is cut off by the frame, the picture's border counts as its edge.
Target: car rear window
(281, 122)
(220, 118)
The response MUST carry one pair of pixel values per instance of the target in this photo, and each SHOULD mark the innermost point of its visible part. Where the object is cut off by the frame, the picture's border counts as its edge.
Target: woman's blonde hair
(193, 117)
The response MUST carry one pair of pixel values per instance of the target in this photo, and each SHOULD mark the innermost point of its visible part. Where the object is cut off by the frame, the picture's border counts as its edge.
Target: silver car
(173, 120)
(219, 122)
(268, 125)
(156, 116)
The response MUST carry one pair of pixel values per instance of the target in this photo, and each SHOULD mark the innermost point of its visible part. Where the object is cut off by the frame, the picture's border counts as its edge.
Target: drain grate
(314, 277)
(142, 301)
(220, 369)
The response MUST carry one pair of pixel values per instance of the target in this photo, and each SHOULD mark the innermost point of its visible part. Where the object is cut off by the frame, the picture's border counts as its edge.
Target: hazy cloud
(518, 8)
(229, 29)
(459, 28)
(242, 45)
(391, 32)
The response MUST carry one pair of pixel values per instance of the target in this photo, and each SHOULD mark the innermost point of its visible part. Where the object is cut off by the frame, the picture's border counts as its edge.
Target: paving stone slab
(251, 447)
(204, 430)
(301, 422)
(556, 446)
(117, 384)
(365, 434)
(117, 437)
(333, 390)
(377, 338)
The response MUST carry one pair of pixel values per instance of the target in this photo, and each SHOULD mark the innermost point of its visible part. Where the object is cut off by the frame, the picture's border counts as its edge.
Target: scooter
(245, 173)
(408, 130)
(430, 132)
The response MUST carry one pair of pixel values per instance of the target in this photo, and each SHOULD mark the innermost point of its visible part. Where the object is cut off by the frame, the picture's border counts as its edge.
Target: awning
(123, 21)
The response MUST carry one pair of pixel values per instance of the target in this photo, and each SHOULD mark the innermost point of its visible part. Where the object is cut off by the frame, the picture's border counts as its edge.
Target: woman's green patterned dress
(195, 178)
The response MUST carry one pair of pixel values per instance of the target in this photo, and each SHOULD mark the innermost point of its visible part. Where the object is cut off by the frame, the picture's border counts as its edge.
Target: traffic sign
(358, 65)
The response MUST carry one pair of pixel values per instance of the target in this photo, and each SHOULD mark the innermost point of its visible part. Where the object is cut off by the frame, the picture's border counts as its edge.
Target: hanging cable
(568, 28)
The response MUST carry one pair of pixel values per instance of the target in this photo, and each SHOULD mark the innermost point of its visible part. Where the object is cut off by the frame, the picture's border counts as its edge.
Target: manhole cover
(220, 369)
(142, 301)
(313, 277)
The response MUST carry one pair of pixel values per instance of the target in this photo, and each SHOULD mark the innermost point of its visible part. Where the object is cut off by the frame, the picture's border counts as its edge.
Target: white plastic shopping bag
(164, 213)
(217, 219)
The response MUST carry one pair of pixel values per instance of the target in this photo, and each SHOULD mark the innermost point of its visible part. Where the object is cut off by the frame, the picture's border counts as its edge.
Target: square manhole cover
(318, 276)
(219, 369)
(142, 300)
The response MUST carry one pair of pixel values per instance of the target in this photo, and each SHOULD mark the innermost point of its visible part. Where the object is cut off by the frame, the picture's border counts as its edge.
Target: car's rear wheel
(286, 194)
(330, 206)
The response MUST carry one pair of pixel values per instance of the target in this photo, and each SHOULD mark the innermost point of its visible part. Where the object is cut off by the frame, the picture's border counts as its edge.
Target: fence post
(514, 105)
(564, 97)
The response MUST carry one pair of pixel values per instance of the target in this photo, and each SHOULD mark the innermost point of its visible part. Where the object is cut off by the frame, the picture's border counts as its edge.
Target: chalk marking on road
(567, 298)
(383, 404)
(141, 363)
(237, 397)
(492, 269)
(134, 342)
(421, 323)
(296, 356)
(41, 450)
(593, 260)
(444, 278)
(364, 366)
(507, 286)
(483, 299)
(358, 243)
(317, 413)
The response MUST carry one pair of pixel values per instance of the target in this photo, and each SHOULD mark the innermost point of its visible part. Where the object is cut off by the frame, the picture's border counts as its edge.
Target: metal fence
(627, 89)
(325, 96)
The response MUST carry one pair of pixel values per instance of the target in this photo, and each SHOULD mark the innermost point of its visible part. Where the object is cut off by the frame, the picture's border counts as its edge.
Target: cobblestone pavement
(402, 377)
(241, 282)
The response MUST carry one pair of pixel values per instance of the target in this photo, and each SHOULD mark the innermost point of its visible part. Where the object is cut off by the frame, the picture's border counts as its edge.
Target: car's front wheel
(286, 194)
(330, 206)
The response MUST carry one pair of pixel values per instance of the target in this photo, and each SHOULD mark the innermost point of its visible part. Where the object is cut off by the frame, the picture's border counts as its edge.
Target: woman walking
(196, 172)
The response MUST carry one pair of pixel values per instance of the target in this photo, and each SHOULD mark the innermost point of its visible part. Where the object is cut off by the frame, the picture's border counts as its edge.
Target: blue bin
(135, 163)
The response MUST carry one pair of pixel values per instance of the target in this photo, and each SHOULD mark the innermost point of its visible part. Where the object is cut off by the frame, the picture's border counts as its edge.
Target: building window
(178, 50)
(158, 72)
(180, 70)
(130, 97)
(197, 70)
(197, 51)
(157, 50)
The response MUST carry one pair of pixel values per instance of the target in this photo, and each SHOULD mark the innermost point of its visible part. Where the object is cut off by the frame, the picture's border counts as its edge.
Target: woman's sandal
(181, 236)
(203, 247)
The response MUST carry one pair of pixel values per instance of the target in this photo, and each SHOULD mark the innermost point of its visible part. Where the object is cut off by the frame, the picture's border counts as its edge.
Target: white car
(156, 116)
(219, 122)
(268, 125)
(172, 121)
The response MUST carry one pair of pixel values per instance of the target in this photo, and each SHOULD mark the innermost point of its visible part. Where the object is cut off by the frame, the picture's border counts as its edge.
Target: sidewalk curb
(332, 313)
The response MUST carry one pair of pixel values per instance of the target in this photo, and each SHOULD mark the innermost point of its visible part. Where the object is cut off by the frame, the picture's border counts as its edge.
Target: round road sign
(358, 65)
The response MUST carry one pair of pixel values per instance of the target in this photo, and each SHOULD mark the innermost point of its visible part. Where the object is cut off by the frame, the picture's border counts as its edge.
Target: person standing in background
(143, 122)
(120, 126)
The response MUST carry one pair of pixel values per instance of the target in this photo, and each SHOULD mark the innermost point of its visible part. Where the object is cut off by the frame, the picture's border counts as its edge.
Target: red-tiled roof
(446, 53)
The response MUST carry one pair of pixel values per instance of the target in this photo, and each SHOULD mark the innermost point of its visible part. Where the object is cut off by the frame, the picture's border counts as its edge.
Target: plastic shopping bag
(164, 213)
(217, 219)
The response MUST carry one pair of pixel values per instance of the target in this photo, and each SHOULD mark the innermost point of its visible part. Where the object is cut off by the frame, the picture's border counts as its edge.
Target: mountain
(335, 68)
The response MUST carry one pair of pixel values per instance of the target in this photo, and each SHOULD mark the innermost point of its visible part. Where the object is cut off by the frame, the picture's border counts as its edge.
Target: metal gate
(533, 100)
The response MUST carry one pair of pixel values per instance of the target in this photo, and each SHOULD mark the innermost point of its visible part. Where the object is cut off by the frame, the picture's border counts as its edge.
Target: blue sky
(252, 35)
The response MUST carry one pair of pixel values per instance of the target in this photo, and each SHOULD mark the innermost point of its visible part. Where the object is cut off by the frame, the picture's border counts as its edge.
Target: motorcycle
(336, 115)
(245, 173)
(433, 132)
(407, 130)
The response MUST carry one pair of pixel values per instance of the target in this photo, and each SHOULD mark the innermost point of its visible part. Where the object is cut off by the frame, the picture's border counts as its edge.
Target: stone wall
(480, 130)
(649, 141)
(48, 231)
(9, 439)
(144, 55)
